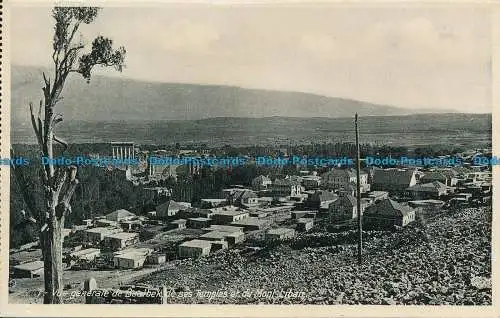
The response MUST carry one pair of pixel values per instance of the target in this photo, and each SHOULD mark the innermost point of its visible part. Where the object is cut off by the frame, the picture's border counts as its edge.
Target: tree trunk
(51, 240)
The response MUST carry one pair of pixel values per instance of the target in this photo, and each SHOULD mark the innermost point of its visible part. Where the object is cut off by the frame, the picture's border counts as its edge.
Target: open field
(456, 129)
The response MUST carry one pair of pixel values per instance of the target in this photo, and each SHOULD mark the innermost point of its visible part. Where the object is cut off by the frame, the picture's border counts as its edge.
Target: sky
(406, 56)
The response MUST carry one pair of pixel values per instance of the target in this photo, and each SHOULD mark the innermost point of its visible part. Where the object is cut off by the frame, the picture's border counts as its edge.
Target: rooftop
(31, 266)
(119, 214)
(179, 221)
(215, 234)
(225, 228)
(199, 219)
(196, 243)
(85, 251)
(122, 235)
(100, 230)
(251, 221)
(305, 220)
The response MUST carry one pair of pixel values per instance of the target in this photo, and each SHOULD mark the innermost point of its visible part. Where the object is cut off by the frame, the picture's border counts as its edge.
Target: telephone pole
(358, 196)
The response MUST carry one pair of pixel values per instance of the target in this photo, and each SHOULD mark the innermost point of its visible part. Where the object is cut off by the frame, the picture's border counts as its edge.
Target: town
(120, 247)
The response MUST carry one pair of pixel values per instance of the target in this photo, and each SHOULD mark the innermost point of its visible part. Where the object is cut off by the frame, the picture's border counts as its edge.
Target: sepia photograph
(249, 154)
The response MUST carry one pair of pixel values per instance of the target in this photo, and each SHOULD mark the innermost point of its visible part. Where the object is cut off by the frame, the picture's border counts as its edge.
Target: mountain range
(114, 98)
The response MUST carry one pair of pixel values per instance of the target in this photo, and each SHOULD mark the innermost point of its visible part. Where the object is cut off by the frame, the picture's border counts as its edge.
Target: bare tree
(58, 182)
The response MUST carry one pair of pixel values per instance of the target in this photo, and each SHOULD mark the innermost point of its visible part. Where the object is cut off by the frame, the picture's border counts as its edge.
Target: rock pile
(448, 262)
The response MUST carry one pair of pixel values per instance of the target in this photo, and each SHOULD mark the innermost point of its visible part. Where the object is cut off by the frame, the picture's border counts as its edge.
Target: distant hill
(107, 98)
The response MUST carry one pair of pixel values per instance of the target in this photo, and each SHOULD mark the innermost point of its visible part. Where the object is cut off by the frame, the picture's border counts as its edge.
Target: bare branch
(36, 127)
(62, 142)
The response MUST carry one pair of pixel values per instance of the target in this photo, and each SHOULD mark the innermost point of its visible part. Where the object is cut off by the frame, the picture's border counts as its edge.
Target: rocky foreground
(446, 262)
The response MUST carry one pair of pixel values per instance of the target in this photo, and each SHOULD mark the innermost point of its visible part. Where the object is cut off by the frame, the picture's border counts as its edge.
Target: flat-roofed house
(393, 180)
(281, 233)
(132, 258)
(178, 224)
(121, 240)
(252, 223)
(86, 254)
(198, 223)
(96, 235)
(213, 236)
(194, 249)
(170, 208)
(224, 228)
(28, 270)
(226, 215)
(388, 213)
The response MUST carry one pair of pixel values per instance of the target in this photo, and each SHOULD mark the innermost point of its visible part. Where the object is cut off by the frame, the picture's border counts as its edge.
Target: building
(321, 199)
(281, 233)
(131, 225)
(213, 236)
(393, 180)
(88, 254)
(130, 259)
(170, 208)
(427, 204)
(445, 177)
(97, 234)
(178, 224)
(224, 228)
(87, 222)
(120, 215)
(196, 212)
(156, 259)
(341, 178)
(311, 182)
(28, 270)
(261, 183)
(345, 208)
(194, 249)
(376, 196)
(451, 175)
(295, 215)
(234, 238)
(286, 188)
(305, 224)
(431, 190)
(105, 223)
(198, 223)
(243, 197)
(121, 240)
(251, 224)
(388, 213)
(212, 203)
(226, 215)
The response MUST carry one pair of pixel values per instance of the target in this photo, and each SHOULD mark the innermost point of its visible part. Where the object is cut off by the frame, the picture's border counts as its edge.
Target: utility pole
(358, 196)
